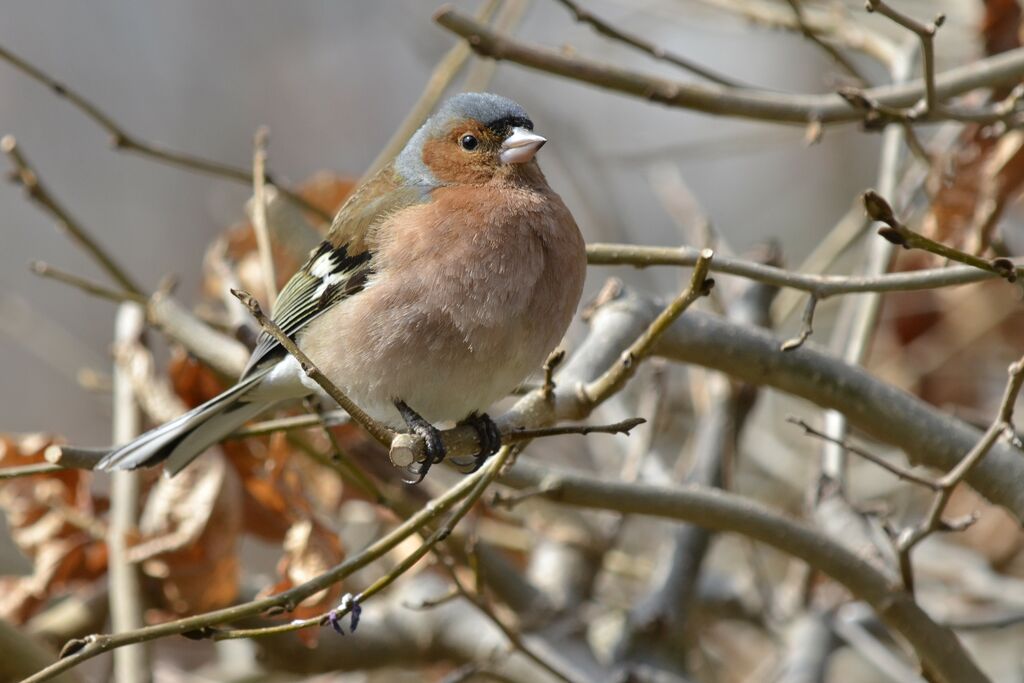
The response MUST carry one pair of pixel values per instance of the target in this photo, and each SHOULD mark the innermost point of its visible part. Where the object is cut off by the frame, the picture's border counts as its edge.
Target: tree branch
(607, 29)
(131, 664)
(762, 105)
(896, 232)
(821, 286)
(1002, 425)
(928, 436)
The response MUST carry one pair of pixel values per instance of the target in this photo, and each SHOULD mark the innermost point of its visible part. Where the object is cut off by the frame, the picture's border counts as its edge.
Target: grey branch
(749, 103)
(821, 286)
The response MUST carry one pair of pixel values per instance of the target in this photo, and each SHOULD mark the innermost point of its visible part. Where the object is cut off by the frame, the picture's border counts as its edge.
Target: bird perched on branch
(445, 280)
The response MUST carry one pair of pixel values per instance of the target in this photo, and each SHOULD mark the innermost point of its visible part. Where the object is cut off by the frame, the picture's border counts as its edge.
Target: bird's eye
(468, 142)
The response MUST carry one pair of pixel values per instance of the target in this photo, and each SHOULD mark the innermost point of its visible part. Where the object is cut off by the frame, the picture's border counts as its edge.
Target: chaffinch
(444, 281)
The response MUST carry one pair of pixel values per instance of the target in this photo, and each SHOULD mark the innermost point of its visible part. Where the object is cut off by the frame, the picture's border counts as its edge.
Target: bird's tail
(184, 438)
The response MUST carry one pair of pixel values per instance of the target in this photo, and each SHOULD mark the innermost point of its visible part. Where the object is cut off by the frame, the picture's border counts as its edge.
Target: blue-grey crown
(494, 111)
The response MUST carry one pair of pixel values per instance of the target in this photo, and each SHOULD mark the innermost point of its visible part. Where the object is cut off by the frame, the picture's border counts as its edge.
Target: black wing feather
(328, 276)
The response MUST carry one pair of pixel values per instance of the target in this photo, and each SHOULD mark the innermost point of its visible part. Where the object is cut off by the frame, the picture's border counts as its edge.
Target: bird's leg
(431, 439)
(490, 440)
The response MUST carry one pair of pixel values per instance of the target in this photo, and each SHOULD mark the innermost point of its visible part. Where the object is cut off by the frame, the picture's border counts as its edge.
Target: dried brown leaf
(53, 519)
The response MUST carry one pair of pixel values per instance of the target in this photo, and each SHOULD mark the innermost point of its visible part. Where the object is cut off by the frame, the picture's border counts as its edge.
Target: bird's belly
(442, 366)
(442, 376)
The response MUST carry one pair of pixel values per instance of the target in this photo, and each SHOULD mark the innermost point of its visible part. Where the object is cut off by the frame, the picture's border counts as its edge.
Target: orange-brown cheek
(450, 164)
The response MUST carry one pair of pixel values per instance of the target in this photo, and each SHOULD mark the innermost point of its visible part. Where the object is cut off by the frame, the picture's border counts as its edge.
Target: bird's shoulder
(386, 193)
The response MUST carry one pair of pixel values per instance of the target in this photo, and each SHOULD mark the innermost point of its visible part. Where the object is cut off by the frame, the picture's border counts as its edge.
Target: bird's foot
(490, 441)
(433, 444)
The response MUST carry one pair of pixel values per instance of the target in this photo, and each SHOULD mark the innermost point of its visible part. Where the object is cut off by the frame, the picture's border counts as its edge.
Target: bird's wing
(340, 266)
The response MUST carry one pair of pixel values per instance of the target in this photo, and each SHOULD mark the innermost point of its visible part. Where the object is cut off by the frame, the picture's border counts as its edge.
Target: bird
(445, 280)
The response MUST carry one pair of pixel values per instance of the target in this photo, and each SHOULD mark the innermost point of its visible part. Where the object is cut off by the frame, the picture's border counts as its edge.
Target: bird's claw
(350, 604)
(432, 441)
(490, 441)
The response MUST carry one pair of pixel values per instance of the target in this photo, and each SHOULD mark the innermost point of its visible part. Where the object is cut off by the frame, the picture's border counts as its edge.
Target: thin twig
(28, 470)
(822, 286)
(616, 376)
(553, 361)
(287, 424)
(811, 34)
(26, 176)
(622, 427)
(88, 286)
(259, 213)
(514, 638)
(122, 140)
(983, 623)
(926, 34)
(900, 472)
(806, 326)
(1002, 425)
(492, 468)
(899, 234)
(382, 433)
(606, 28)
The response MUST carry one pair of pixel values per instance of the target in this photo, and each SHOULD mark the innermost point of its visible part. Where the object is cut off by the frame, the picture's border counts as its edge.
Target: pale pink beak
(520, 146)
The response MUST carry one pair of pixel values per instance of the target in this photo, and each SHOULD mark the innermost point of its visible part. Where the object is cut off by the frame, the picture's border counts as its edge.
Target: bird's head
(472, 138)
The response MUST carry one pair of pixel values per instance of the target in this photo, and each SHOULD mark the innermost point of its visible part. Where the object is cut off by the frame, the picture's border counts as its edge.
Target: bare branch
(900, 472)
(926, 33)
(1004, 68)
(76, 652)
(28, 470)
(616, 376)
(933, 522)
(46, 270)
(131, 664)
(822, 286)
(899, 234)
(606, 28)
(811, 34)
(928, 436)
(286, 424)
(806, 326)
